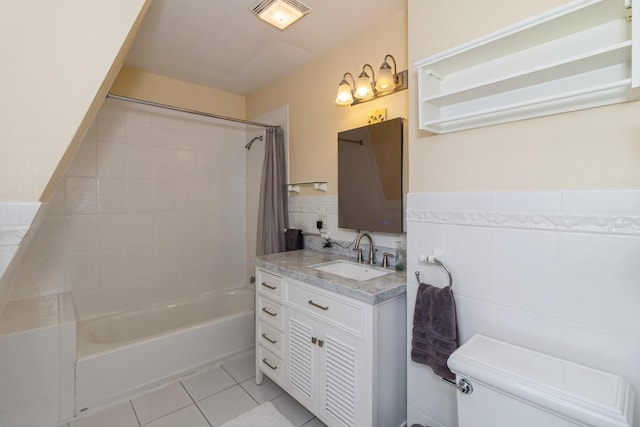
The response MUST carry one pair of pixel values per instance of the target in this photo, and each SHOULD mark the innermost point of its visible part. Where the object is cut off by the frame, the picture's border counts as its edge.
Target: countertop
(297, 265)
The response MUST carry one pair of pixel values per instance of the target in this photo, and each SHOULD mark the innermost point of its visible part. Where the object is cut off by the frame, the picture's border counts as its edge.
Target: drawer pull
(268, 312)
(314, 340)
(273, 288)
(269, 339)
(268, 364)
(320, 343)
(318, 305)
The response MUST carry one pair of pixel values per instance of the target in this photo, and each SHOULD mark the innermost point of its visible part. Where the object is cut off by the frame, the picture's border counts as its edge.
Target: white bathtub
(122, 354)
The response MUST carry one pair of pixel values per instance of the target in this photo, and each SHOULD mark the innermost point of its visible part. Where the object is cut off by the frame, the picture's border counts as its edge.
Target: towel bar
(433, 260)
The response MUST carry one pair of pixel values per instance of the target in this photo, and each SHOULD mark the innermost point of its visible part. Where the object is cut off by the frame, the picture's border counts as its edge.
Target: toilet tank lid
(587, 395)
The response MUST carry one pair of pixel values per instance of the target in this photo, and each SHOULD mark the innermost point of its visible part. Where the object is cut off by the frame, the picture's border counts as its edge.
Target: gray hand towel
(293, 239)
(435, 328)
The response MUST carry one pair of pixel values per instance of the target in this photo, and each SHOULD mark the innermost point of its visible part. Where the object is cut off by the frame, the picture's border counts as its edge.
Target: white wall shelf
(578, 56)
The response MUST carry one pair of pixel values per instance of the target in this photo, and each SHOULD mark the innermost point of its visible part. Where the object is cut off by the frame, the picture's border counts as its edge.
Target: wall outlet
(377, 116)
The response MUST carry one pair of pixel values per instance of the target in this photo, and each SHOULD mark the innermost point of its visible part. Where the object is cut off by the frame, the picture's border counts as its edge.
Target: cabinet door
(344, 390)
(301, 355)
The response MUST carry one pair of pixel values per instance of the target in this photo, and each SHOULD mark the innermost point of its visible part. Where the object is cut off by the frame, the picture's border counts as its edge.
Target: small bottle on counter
(399, 256)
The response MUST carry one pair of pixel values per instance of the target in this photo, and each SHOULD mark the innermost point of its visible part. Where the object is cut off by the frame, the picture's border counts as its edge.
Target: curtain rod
(185, 110)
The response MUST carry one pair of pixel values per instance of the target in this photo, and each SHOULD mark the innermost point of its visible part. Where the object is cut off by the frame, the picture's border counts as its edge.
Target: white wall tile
(138, 164)
(112, 195)
(81, 195)
(537, 201)
(427, 200)
(621, 201)
(139, 229)
(139, 263)
(601, 275)
(471, 201)
(113, 267)
(112, 231)
(164, 196)
(470, 253)
(529, 330)
(529, 270)
(164, 163)
(475, 317)
(165, 228)
(140, 195)
(82, 233)
(82, 270)
(112, 160)
(138, 127)
(163, 130)
(187, 165)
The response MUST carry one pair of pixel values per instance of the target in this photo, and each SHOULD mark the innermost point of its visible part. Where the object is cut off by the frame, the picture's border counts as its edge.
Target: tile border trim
(549, 221)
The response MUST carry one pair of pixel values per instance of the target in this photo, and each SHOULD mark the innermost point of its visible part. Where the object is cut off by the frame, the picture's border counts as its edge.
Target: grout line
(135, 413)
(196, 405)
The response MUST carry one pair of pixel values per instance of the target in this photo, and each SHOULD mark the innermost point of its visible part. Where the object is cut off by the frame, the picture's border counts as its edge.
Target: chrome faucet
(371, 251)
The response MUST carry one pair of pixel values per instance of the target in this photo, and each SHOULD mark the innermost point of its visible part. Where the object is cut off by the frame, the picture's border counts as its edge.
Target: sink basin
(351, 270)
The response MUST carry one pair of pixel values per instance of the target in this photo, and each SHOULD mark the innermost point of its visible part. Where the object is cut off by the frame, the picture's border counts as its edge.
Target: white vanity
(337, 345)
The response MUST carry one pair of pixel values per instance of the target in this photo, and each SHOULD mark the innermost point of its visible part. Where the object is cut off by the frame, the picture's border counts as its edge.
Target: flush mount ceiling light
(280, 13)
(368, 88)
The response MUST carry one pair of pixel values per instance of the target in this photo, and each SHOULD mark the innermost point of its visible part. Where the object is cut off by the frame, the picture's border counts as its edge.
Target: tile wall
(556, 272)
(152, 208)
(304, 211)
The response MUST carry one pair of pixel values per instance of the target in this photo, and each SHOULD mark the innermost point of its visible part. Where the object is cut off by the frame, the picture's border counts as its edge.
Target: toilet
(503, 385)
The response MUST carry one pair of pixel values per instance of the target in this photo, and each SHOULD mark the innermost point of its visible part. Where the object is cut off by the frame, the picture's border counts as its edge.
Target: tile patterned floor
(208, 399)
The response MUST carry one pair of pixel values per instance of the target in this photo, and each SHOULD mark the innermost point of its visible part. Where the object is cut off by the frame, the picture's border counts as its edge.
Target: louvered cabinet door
(302, 376)
(343, 384)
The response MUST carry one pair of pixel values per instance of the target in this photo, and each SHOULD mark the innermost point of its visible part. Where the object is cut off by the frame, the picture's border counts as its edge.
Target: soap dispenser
(399, 256)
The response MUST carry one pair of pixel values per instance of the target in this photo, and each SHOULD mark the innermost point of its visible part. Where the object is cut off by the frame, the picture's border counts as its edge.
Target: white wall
(556, 272)
(151, 209)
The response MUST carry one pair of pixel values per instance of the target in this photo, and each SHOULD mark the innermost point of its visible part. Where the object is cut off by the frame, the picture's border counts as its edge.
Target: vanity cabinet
(343, 359)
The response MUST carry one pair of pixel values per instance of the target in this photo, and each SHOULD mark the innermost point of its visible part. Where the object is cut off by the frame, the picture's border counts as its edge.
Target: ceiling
(222, 44)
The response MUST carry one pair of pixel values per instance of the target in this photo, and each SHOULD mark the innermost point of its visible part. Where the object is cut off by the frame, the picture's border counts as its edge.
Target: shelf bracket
(293, 188)
(432, 73)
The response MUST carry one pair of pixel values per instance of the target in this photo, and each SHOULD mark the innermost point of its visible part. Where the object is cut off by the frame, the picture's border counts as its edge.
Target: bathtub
(122, 354)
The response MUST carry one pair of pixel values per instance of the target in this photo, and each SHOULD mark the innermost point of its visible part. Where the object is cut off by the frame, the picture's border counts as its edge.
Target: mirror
(370, 177)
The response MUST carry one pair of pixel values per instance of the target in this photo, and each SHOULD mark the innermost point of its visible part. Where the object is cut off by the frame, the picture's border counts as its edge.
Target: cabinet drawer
(342, 312)
(270, 338)
(270, 284)
(270, 364)
(270, 312)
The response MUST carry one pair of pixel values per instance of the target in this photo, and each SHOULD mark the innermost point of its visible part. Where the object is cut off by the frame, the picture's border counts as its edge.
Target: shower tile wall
(152, 208)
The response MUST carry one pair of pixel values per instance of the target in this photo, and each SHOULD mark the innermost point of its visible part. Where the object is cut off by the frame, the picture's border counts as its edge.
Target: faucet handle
(359, 254)
(385, 259)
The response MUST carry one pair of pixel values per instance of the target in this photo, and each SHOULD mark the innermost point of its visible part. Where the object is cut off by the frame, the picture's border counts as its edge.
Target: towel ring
(433, 260)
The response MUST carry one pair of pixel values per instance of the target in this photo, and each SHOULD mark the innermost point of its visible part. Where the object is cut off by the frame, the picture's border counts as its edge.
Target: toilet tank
(514, 386)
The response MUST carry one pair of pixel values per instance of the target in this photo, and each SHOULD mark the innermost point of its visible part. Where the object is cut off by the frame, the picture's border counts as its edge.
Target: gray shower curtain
(273, 215)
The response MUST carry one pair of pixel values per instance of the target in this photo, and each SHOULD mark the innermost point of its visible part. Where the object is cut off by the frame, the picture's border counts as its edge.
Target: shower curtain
(273, 215)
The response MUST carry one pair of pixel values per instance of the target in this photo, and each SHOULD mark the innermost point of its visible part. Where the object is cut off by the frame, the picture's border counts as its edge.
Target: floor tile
(161, 402)
(242, 368)
(120, 415)
(315, 423)
(208, 383)
(290, 408)
(268, 390)
(185, 417)
(226, 405)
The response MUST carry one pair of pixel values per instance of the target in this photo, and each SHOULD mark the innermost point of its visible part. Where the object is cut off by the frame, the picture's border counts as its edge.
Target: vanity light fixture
(280, 13)
(368, 88)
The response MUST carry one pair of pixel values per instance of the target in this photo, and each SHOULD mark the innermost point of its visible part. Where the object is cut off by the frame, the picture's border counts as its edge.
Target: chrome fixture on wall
(368, 88)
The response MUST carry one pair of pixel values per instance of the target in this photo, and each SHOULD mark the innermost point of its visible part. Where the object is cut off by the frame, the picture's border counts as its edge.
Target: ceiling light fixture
(368, 88)
(280, 13)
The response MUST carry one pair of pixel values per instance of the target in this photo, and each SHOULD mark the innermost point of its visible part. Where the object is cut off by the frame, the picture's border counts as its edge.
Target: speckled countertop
(297, 265)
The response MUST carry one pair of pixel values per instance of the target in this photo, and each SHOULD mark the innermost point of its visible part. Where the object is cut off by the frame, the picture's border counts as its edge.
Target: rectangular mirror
(371, 177)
